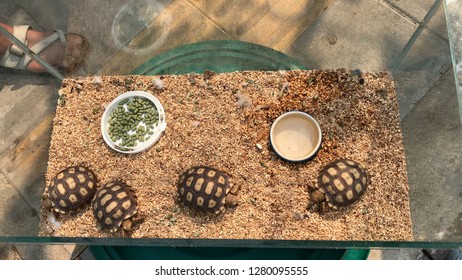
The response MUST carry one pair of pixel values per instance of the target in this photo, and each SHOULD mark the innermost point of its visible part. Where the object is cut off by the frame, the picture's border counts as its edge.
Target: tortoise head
(231, 198)
(127, 225)
(46, 204)
(317, 201)
(317, 196)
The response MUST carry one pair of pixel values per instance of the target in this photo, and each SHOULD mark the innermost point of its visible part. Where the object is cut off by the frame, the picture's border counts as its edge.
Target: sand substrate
(221, 121)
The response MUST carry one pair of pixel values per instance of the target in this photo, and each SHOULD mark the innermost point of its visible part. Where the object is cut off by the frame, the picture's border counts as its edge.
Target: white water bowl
(295, 136)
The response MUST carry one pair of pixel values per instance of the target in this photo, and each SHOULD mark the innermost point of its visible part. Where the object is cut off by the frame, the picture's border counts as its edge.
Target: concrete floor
(407, 38)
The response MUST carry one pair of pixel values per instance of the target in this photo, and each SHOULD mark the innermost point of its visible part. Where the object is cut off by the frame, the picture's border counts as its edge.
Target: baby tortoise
(114, 205)
(71, 189)
(340, 184)
(206, 189)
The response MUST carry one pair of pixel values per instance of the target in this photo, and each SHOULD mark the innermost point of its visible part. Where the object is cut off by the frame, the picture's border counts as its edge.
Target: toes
(76, 51)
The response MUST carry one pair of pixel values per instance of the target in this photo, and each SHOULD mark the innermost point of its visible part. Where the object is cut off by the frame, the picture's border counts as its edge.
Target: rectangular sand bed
(217, 120)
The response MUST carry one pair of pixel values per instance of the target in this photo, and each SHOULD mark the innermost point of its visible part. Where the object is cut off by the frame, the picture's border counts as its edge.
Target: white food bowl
(140, 146)
(295, 136)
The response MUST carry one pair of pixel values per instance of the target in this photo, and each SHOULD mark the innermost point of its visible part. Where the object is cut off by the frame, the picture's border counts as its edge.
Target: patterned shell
(342, 182)
(114, 203)
(204, 189)
(72, 188)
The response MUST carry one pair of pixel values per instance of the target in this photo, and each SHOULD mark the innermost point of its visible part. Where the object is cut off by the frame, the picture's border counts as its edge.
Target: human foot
(61, 50)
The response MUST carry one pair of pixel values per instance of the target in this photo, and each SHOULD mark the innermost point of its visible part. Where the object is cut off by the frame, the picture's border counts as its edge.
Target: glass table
(153, 37)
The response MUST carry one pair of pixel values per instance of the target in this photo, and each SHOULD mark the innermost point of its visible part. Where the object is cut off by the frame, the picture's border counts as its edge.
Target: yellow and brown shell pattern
(203, 188)
(113, 203)
(342, 181)
(72, 188)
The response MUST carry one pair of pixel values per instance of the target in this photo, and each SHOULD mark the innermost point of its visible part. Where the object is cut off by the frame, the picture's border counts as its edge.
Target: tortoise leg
(314, 207)
(323, 207)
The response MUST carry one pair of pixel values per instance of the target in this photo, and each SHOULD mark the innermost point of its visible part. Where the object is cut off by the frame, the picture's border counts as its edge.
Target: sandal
(76, 49)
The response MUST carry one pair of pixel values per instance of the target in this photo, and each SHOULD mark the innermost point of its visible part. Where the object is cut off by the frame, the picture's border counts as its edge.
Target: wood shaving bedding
(223, 121)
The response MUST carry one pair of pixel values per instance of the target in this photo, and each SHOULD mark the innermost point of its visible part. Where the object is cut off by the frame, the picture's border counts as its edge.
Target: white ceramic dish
(158, 128)
(295, 136)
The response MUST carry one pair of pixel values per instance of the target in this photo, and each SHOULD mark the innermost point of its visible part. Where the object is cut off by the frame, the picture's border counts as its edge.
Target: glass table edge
(235, 243)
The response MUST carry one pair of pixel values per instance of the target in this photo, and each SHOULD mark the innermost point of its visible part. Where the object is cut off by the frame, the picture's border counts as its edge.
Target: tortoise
(206, 189)
(71, 189)
(340, 184)
(114, 205)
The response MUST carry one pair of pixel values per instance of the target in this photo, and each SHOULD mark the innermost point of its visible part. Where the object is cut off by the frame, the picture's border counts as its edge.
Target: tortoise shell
(203, 188)
(342, 182)
(72, 188)
(114, 203)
